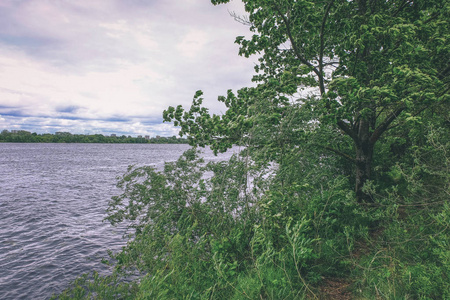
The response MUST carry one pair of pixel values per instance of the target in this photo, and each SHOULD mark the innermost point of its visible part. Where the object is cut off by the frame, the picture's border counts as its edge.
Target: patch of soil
(336, 289)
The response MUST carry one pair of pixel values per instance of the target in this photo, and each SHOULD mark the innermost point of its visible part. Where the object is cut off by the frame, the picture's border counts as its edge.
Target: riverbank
(22, 136)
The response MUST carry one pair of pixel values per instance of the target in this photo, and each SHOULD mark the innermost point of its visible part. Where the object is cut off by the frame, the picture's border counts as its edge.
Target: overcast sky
(113, 66)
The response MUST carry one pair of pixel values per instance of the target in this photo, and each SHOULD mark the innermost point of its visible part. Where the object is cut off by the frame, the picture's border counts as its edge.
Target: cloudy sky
(113, 66)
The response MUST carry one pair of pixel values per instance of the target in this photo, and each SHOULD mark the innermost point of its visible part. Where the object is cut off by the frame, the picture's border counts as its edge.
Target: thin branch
(413, 115)
(385, 124)
(445, 91)
(241, 19)
(331, 63)
(401, 8)
(381, 111)
(442, 74)
(294, 45)
(432, 17)
(322, 46)
(340, 153)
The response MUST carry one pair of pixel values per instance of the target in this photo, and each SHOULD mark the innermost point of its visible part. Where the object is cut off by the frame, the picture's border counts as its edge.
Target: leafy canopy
(354, 69)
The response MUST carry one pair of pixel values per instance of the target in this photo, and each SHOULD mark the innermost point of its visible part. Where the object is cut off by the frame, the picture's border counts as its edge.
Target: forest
(341, 188)
(22, 136)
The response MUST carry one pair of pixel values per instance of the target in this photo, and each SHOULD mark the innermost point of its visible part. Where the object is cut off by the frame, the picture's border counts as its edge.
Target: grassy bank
(247, 233)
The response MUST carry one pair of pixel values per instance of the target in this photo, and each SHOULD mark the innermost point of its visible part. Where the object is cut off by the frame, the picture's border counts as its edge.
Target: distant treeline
(22, 136)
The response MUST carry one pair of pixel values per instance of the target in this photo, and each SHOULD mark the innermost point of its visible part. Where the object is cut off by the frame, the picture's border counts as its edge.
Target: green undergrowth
(240, 230)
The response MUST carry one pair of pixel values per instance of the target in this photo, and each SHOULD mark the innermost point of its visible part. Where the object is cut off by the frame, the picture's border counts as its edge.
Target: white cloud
(109, 65)
(193, 44)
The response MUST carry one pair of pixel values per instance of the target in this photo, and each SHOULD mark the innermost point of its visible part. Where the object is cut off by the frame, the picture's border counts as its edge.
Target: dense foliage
(363, 67)
(65, 137)
(342, 185)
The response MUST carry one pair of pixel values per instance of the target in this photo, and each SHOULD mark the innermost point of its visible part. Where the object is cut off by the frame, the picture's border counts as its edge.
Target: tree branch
(413, 115)
(294, 45)
(401, 7)
(443, 73)
(431, 18)
(241, 19)
(322, 42)
(348, 130)
(385, 124)
(340, 153)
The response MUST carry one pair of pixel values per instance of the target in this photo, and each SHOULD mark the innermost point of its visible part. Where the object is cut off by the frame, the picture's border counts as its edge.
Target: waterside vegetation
(341, 190)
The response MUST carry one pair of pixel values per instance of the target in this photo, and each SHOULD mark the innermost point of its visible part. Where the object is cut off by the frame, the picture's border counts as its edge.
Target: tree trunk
(364, 154)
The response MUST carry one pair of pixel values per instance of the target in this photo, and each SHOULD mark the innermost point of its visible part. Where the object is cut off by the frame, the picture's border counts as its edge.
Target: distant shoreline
(22, 136)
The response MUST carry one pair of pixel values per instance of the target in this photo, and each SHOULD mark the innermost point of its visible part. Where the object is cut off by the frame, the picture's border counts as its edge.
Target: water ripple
(52, 201)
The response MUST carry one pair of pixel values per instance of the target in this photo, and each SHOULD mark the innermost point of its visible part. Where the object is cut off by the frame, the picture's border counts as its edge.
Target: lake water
(53, 199)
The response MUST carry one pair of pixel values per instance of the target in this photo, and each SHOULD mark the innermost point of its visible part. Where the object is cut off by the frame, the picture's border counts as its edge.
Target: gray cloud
(100, 66)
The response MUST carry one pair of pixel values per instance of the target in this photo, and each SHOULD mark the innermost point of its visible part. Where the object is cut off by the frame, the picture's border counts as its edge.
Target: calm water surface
(52, 202)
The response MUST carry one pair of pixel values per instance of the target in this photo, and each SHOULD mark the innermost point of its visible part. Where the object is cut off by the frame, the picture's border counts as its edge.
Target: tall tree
(362, 67)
